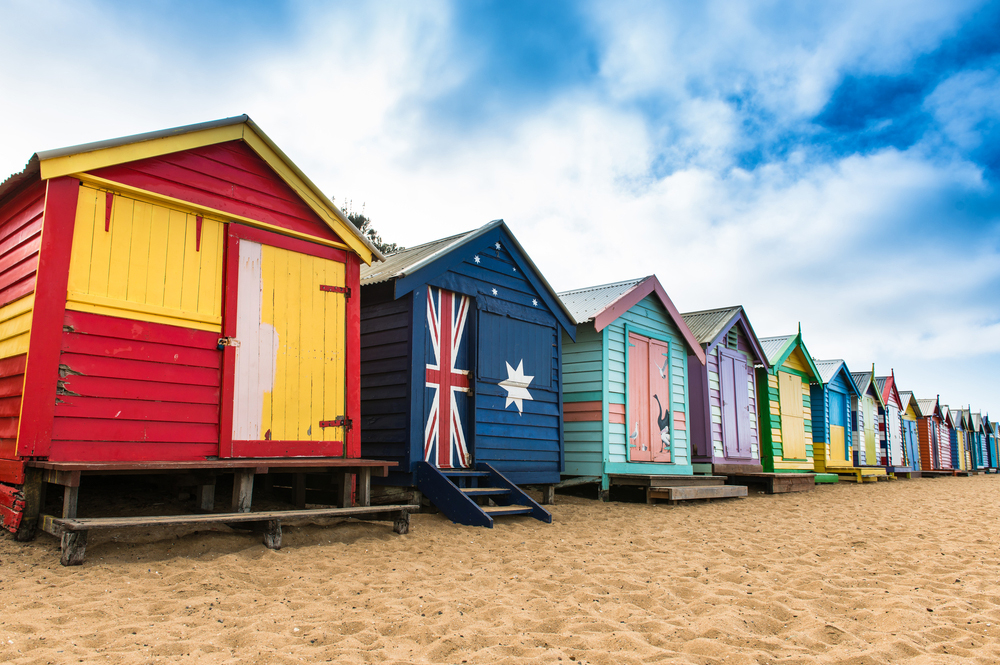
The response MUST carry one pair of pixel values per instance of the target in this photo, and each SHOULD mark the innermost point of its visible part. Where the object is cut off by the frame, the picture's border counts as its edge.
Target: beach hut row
(189, 302)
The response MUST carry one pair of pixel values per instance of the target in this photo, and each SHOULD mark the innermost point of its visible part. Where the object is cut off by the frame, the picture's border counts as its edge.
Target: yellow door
(838, 455)
(871, 433)
(290, 358)
(793, 432)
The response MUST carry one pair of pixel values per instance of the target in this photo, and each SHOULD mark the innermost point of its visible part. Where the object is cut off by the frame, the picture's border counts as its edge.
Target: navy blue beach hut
(461, 376)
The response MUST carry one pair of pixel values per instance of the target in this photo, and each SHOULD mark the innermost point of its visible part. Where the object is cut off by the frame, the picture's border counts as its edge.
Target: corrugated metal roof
(977, 420)
(399, 264)
(409, 261)
(773, 345)
(585, 304)
(15, 180)
(861, 380)
(927, 406)
(907, 397)
(707, 324)
(827, 368)
(880, 383)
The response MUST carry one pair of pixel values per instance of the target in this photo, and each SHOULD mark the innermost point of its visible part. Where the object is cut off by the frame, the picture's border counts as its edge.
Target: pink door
(649, 399)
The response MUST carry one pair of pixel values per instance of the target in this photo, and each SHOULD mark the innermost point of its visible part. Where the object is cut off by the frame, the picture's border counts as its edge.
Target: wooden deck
(859, 474)
(354, 475)
(679, 488)
(775, 483)
(706, 492)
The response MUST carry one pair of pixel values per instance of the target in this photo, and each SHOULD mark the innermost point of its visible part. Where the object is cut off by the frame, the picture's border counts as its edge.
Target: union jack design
(444, 436)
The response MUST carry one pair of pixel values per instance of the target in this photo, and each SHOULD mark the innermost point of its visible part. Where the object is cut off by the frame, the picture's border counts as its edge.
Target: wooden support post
(32, 491)
(272, 535)
(401, 524)
(548, 495)
(242, 490)
(365, 486)
(649, 495)
(344, 497)
(300, 490)
(206, 497)
(603, 495)
(71, 497)
(74, 547)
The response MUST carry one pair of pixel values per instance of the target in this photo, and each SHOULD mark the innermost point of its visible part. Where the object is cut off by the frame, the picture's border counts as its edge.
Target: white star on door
(516, 385)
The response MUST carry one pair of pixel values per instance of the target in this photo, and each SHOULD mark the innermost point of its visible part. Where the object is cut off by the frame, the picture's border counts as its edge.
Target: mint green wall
(594, 370)
(649, 315)
(583, 381)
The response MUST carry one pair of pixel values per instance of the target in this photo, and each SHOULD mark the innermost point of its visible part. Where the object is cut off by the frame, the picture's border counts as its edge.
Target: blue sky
(832, 164)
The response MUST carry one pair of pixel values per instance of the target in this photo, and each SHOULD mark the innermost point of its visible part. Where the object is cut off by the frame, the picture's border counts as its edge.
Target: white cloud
(843, 246)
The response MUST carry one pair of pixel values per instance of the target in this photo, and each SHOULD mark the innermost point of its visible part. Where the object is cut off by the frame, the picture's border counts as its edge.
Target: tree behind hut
(364, 224)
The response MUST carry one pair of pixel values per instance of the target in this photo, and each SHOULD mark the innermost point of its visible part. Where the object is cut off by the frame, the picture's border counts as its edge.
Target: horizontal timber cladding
(584, 434)
(229, 177)
(385, 364)
(520, 437)
(20, 240)
(648, 318)
(133, 390)
(145, 261)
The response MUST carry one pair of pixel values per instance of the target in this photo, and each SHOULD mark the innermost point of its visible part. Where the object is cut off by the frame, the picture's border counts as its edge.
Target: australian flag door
(447, 397)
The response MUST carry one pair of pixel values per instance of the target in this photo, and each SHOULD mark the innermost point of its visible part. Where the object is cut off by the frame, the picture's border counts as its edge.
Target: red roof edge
(632, 297)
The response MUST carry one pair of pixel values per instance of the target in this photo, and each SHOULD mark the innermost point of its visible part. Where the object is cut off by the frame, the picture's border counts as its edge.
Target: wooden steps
(691, 493)
(461, 494)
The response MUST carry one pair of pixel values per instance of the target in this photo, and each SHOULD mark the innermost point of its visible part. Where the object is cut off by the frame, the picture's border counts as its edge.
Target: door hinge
(227, 341)
(346, 290)
(339, 421)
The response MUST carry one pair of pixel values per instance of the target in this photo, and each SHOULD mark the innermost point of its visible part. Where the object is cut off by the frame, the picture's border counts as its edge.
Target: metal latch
(346, 290)
(227, 341)
(339, 421)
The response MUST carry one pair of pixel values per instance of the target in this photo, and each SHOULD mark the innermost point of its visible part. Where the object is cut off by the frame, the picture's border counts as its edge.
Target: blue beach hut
(461, 373)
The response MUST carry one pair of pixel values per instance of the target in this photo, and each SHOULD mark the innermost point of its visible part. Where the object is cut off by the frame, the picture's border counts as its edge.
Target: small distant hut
(935, 450)
(831, 418)
(890, 424)
(864, 423)
(785, 408)
(911, 439)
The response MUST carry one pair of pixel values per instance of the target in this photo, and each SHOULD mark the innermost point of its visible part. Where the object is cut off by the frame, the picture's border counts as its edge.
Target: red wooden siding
(131, 390)
(227, 176)
(11, 389)
(20, 238)
(574, 412)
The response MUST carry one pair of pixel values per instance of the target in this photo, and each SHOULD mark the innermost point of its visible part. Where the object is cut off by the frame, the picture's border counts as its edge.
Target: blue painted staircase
(464, 495)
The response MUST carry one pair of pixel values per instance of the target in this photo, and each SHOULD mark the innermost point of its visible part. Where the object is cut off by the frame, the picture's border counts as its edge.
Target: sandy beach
(903, 571)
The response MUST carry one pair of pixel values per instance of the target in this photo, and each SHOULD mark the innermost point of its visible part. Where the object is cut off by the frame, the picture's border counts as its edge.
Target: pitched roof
(828, 368)
(604, 304)
(773, 346)
(707, 324)
(777, 350)
(409, 262)
(928, 406)
(585, 304)
(90, 156)
(880, 383)
(907, 396)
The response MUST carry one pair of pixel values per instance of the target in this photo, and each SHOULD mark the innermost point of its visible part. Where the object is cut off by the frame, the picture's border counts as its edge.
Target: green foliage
(364, 225)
